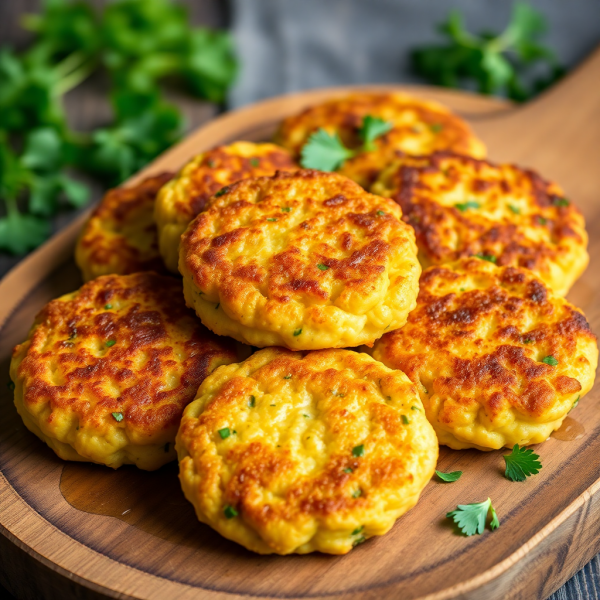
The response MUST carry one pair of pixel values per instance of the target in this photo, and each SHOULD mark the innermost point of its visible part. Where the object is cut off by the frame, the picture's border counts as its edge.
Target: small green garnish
(286, 209)
(436, 127)
(210, 163)
(415, 408)
(252, 402)
(222, 191)
(471, 518)
(224, 433)
(107, 306)
(358, 530)
(359, 541)
(230, 512)
(521, 463)
(449, 477)
(306, 416)
(542, 220)
(371, 129)
(167, 445)
(405, 419)
(324, 151)
(322, 267)
(358, 450)
(515, 209)
(287, 376)
(11, 386)
(117, 416)
(560, 202)
(550, 360)
(462, 206)
(348, 470)
(297, 332)
(271, 219)
(575, 403)
(110, 343)
(380, 213)
(255, 162)
(488, 257)
(356, 493)
(528, 341)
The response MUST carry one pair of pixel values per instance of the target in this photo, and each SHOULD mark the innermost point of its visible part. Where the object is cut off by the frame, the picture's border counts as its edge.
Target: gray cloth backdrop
(288, 45)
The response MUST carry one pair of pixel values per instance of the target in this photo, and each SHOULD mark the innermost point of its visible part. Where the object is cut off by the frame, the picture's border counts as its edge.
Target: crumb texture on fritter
(305, 260)
(120, 237)
(419, 127)
(106, 371)
(204, 175)
(497, 358)
(293, 452)
(460, 207)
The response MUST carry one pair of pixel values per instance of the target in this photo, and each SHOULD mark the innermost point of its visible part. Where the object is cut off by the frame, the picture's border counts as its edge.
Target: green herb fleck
(230, 512)
(488, 257)
(415, 408)
(297, 332)
(356, 493)
(286, 209)
(521, 463)
(210, 163)
(222, 192)
(358, 450)
(322, 267)
(575, 403)
(528, 341)
(359, 541)
(449, 477)
(560, 202)
(117, 416)
(405, 419)
(252, 402)
(255, 162)
(11, 386)
(463, 206)
(348, 470)
(380, 213)
(306, 416)
(471, 518)
(224, 433)
(324, 151)
(358, 530)
(550, 360)
(287, 376)
(515, 209)
(110, 343)
(371, 129)
(436, 127)
(271, 219)
(542, 220)
(108, 306)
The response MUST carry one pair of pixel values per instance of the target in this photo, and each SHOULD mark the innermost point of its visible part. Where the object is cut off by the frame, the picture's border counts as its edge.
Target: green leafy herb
(488, 257)
(348, 470)
(322, 267)
(493, 63)
(358, 450)
(521, 463)
(359, 541)
(405, 419)
(471, 518)
(230, 512)
(287, 377)
(380, 213)
(542, 221)
(358, 530)
(356, 493)
(254, 162)
(117, 416)
(286, 209)
(515, 209)
(560, 202)
(550, 360)
(224, 433)
(222, 192)
(371, 129)
(572, 407)
(110, 343)
(306, 416)
(463, 206)
(272, 219)
(415, 408)
(297, 332)
(107, 306)
(252, 402)
(436, 127)
(528, 341)
(449, 477)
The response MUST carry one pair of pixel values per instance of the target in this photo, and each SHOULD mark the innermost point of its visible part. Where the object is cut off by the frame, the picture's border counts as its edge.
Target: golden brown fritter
(497, 358)
(293, 452)
(186, 196)
(419, 127)
(120, 236)
(460, 207)
(306, 260)
(106, 371)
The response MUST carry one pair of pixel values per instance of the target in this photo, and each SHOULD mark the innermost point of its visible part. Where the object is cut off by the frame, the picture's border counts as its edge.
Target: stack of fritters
(304, 445)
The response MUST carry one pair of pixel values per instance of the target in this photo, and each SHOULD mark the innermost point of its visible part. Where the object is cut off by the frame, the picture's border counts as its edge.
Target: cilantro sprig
(493, 63)
(325, 151)
(471, 518)
(521, 463)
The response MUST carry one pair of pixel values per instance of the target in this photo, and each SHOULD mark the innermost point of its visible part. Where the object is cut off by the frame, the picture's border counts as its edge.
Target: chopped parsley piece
(380, 213)
(415, 408)
(575, 403)
(167, 445)
(324, 151)
(358, 530)
(358, 450)
(356, 493)
(230, 512)
(272, 219)
(117, 416)
(462, 289)
(359, 540)
(306, 416)
(462, 206)
(488, 257)
(348, 470)
(550, 360)
(521, 463)
(449, 477)
(322, 267)
(210, 163)
(471, 518)
(252, 402)
(222, 192)
(224, 433)
(110, 343)
(107, 306)
(297, 332)
(10, 385)
(515, 209)
(528, 341)
(405, 419)
(436, 127)
(286, 209)
(255, 162)
(542, 221)
(371, 129)
(560, 202)
(287, 377)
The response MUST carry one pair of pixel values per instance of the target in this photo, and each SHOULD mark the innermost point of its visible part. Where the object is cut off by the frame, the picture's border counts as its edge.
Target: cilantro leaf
(449, 477)
(371, 129)
(19, 232)
(521, 463)
(324, 151)
(471, 518)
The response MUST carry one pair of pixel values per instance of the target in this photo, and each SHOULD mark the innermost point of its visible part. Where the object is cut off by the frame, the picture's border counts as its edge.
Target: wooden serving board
(84, 531)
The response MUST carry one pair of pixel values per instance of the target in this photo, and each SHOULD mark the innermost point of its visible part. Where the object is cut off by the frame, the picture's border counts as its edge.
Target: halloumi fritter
(498, 359)
(306, 260)
(293, 452)
(106, 371)
(120, 237)
(460, 207)
(187, 195)
(419, 127)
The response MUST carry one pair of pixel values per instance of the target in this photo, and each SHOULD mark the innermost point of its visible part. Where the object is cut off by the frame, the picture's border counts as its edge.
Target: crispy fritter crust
(305, 260)
(186, 196)
(420, 127)
(460, 206)
(475, 346)
(121, 344)
(120, 237)
(292, 466)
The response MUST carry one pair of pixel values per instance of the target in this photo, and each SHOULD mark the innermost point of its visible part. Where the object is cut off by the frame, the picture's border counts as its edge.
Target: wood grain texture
(131, 535)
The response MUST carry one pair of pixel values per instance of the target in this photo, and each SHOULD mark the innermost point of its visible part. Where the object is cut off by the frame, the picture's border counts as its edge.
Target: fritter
(498, 360)
(305, 260)
(419, 127)
(186, 196)
(292, 452)
(106, 371)
(120, 237)
(461, 207)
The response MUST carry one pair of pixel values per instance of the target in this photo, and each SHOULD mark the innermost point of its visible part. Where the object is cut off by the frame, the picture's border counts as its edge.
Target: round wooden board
(84, 531)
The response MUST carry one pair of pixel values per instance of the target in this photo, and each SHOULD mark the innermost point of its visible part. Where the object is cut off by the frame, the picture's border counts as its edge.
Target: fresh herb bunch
(137, 44)
(492, 63)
